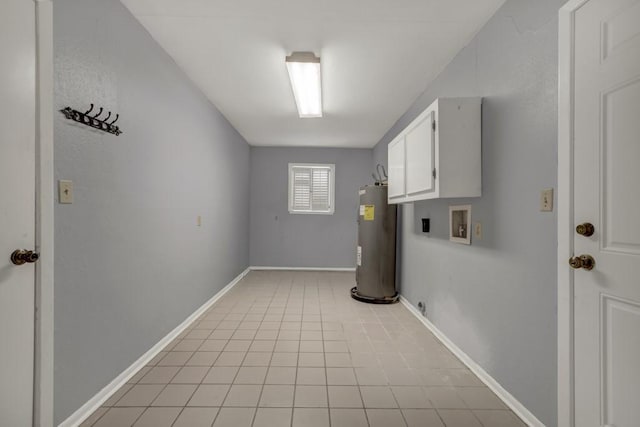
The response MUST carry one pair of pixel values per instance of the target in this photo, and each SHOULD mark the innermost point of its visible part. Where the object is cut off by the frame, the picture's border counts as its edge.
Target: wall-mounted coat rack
(93, 121)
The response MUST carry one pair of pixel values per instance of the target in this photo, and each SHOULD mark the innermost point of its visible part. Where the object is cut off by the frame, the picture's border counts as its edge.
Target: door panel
(621, 153)
(621, 348)
(17, 209)
(420, 157)
(607, 194)
(396, 168)
(619, 30)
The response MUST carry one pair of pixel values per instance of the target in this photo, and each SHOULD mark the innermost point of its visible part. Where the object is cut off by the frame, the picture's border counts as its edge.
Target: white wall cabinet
(439, 154)
(396, 169)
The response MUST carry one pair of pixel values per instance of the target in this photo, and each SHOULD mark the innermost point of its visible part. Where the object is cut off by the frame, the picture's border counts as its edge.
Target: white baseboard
(96, 401)
(518, 408)
(261, 267)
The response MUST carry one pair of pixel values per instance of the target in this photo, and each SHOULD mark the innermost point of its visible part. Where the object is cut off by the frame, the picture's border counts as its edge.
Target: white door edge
(566, 48)
(43, 364)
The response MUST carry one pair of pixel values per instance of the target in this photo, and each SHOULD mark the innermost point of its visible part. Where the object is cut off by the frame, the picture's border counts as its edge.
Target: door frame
(44, 227)
(566, 55)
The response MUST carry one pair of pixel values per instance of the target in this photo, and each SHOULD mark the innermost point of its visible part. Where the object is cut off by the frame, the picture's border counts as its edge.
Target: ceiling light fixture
(304, 73)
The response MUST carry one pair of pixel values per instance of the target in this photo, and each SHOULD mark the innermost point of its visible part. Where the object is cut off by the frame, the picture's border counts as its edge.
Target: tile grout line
(295, 379)
(209, 370)
(324, 359)
(266, 373)
(309, 301)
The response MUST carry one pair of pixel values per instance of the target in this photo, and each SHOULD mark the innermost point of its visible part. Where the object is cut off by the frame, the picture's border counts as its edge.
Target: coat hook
(93, 120)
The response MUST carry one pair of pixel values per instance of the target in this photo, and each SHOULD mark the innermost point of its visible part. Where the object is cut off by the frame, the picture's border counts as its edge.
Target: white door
(17, 209)
(420, 157)
(396, 167)
(606, 186)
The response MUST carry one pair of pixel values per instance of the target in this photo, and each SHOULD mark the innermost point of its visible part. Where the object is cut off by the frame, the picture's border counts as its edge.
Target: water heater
(376, 250)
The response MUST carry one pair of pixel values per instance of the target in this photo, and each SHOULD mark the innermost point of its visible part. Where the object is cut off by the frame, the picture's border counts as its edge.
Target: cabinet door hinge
(433, 125)
(434, 173)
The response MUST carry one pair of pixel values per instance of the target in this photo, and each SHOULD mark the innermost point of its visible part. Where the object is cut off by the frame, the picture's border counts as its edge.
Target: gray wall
(280, 239)
(496, 299)
(131, 264)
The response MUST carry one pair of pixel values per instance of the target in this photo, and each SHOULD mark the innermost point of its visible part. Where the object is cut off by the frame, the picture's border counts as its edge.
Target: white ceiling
(377, 57)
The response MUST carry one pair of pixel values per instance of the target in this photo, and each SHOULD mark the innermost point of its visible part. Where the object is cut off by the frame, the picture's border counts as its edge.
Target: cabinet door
(396, 168)
(420, 151)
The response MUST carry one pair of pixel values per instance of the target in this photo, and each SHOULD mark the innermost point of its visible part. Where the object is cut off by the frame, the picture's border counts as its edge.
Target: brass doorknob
(23, 256)
(583, 261)
(585, 229)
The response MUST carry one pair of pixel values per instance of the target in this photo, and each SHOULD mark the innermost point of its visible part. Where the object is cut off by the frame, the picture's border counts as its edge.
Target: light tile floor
(289, 348)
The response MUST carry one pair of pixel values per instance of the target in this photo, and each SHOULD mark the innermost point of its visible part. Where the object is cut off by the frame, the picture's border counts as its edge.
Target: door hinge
(434, 173)
(433, 125)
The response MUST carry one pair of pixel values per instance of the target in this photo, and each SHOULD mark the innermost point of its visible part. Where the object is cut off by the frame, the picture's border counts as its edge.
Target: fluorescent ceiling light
(304, 73)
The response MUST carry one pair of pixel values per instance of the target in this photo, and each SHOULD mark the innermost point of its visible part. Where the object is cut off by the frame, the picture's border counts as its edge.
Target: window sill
(310, 213)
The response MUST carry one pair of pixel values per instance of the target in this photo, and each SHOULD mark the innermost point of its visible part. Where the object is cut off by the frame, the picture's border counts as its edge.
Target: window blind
(311, 189)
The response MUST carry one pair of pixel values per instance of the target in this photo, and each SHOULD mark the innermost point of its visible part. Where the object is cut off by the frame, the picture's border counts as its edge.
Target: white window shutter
(311, 188)
(320, 189)
(302, 188)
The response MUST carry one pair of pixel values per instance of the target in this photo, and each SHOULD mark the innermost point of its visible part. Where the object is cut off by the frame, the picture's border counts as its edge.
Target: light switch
(199, 221)
(477, 231)
(65, 191)
(546, 200)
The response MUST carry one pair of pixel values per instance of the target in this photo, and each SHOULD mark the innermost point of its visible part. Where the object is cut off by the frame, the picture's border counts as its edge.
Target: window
(311, 188)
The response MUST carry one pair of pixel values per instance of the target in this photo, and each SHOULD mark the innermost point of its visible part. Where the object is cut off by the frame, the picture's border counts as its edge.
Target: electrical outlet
(477, 231)
(423, 308)
(546, 200)
(65, 191)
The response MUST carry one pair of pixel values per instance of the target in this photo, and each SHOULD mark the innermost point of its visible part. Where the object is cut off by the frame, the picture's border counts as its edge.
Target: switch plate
(65, 191)
(477, 231)
(546, 200)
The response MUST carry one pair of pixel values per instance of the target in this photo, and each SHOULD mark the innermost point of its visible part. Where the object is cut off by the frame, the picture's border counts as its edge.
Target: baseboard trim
(518, 408)
(265, 267)
(96, 401)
